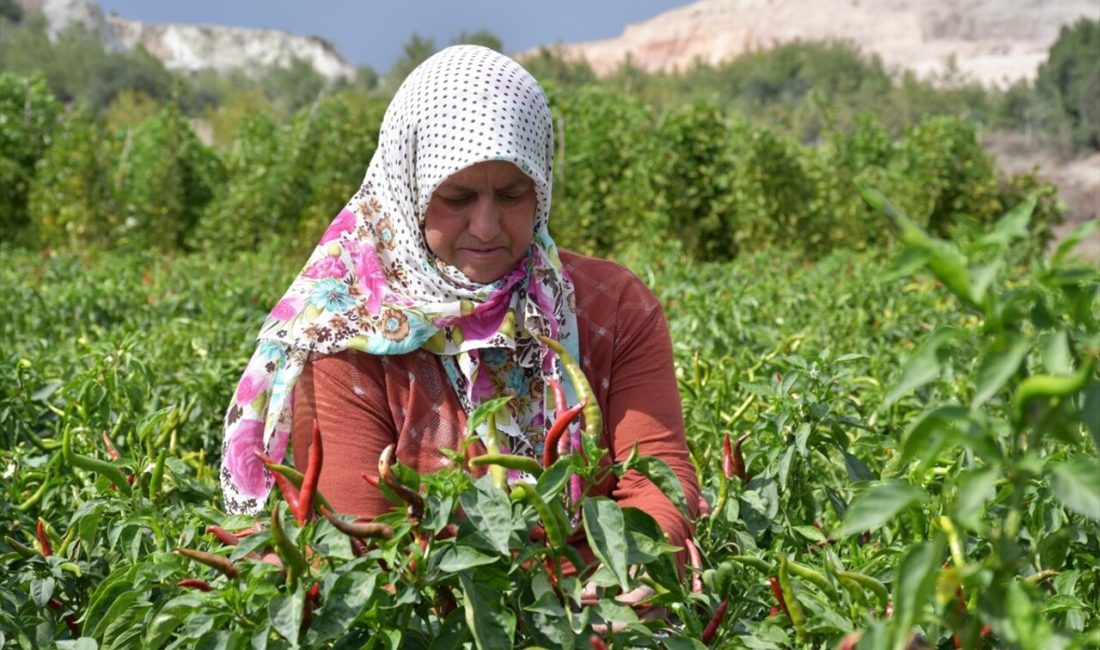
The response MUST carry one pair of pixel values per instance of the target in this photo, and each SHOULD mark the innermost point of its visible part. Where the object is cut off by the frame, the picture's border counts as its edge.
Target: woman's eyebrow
(452, 186)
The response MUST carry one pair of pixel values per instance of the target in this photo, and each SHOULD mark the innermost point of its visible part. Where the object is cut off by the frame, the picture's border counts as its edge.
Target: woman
(424, 297)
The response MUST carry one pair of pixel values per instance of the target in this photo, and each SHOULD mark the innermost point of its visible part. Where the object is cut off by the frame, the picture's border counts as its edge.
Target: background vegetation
(914, 380)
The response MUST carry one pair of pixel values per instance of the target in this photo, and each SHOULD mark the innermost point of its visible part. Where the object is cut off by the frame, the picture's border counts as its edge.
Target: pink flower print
(483, 386)
(486, 318)
(371, 278)
(278, 444)
(326, 267)
(343, 222)
(287, 308)
(250, 387)
(248, 472)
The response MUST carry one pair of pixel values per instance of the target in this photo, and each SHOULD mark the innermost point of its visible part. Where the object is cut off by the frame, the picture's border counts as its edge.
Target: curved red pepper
(739, 460)
(304, 511)
(712, 627)
(560, 426)
(43, 538)
(779, 596)
(727, 457)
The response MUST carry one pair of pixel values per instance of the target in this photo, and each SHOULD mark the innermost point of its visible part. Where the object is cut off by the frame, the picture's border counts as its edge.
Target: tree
(415, 51)
(28, 117)
(481, 37)
(1069, 82)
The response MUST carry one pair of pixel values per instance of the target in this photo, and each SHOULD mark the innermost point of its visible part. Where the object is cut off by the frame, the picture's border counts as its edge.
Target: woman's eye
(457, 200)
(510, 197)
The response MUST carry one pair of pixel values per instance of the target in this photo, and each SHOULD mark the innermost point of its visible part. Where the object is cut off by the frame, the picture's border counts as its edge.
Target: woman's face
(481, 219)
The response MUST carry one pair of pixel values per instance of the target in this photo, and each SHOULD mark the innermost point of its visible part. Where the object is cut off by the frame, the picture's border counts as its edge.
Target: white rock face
(991, 41)
(189, 48)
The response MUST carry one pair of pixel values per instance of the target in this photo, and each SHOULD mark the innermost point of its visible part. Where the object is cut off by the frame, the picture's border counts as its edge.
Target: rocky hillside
(993, 41)
(190, 48)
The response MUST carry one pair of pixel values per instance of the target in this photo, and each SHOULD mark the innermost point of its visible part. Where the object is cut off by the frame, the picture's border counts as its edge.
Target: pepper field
(919, 468)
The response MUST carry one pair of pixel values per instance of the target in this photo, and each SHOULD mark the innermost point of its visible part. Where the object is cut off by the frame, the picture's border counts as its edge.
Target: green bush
(162, 180)
(28, 116)
(70, 197)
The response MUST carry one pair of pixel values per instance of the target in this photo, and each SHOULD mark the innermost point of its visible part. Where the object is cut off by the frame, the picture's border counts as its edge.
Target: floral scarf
(373, 285)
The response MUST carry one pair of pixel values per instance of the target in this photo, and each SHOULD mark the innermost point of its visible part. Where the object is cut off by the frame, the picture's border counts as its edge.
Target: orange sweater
(407, 400)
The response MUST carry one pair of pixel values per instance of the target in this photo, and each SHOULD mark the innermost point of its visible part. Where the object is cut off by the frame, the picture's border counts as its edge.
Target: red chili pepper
(779, 596)
(43, 538)
(727, 457)
(219, 562)
(716, 620)
(560, 426)
(357, 529)
(290, 493)
(112, 452)
(696, 565)
(559, 397)
(596, 642)
(304, 511)
(195, 583)
(223, 535)
(70, 619)
(739, 460)
(313, 599)
(371, 480)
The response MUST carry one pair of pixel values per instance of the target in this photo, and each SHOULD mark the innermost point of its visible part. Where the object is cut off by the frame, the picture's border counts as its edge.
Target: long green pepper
(103, 468)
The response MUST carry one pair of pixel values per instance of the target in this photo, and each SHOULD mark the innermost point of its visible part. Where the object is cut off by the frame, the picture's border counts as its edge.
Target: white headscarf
(373, 285)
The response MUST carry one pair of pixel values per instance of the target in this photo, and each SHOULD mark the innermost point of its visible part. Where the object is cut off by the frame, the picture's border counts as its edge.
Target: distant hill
(190, 48)
(991, 41)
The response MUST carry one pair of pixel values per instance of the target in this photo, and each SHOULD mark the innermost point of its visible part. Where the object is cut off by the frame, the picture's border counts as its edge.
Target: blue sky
(372, 32)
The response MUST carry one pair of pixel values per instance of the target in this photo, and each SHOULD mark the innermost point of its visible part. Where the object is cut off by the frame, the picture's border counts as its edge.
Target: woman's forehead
(495, 173)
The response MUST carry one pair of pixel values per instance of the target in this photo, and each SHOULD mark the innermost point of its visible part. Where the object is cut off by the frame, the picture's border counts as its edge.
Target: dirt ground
(1078, 180)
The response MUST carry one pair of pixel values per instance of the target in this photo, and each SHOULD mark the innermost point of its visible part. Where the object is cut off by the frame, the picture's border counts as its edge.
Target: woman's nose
(484, 219)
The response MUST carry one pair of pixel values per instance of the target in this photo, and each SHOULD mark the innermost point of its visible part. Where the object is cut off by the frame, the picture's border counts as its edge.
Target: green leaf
(1076, 236)
(460, 557)
(348, 596)
(1076, 483)
(857, 469)
(932, 432)
(1013, 224)
(878, 505)
(491, 622)
(483, 411)
(168, 619)
(285, 613)
(1091, 412)
(1001, 361)
(663, 477)
(490, 512)
(913, 587)
(924, 364)
(606, 531)
(42, 591)
(976, 487)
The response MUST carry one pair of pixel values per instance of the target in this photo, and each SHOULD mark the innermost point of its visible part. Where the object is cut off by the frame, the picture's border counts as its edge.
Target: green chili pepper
(794, 608)
(867, 582)
(509, 461)
(810, 575)
(103, 468)
(554, 526)
(1048, 386)
(492, 445)
(20, 548)
(156, 478)
(593, 419)
(34, 498)
(754, 562)
(288, 552)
